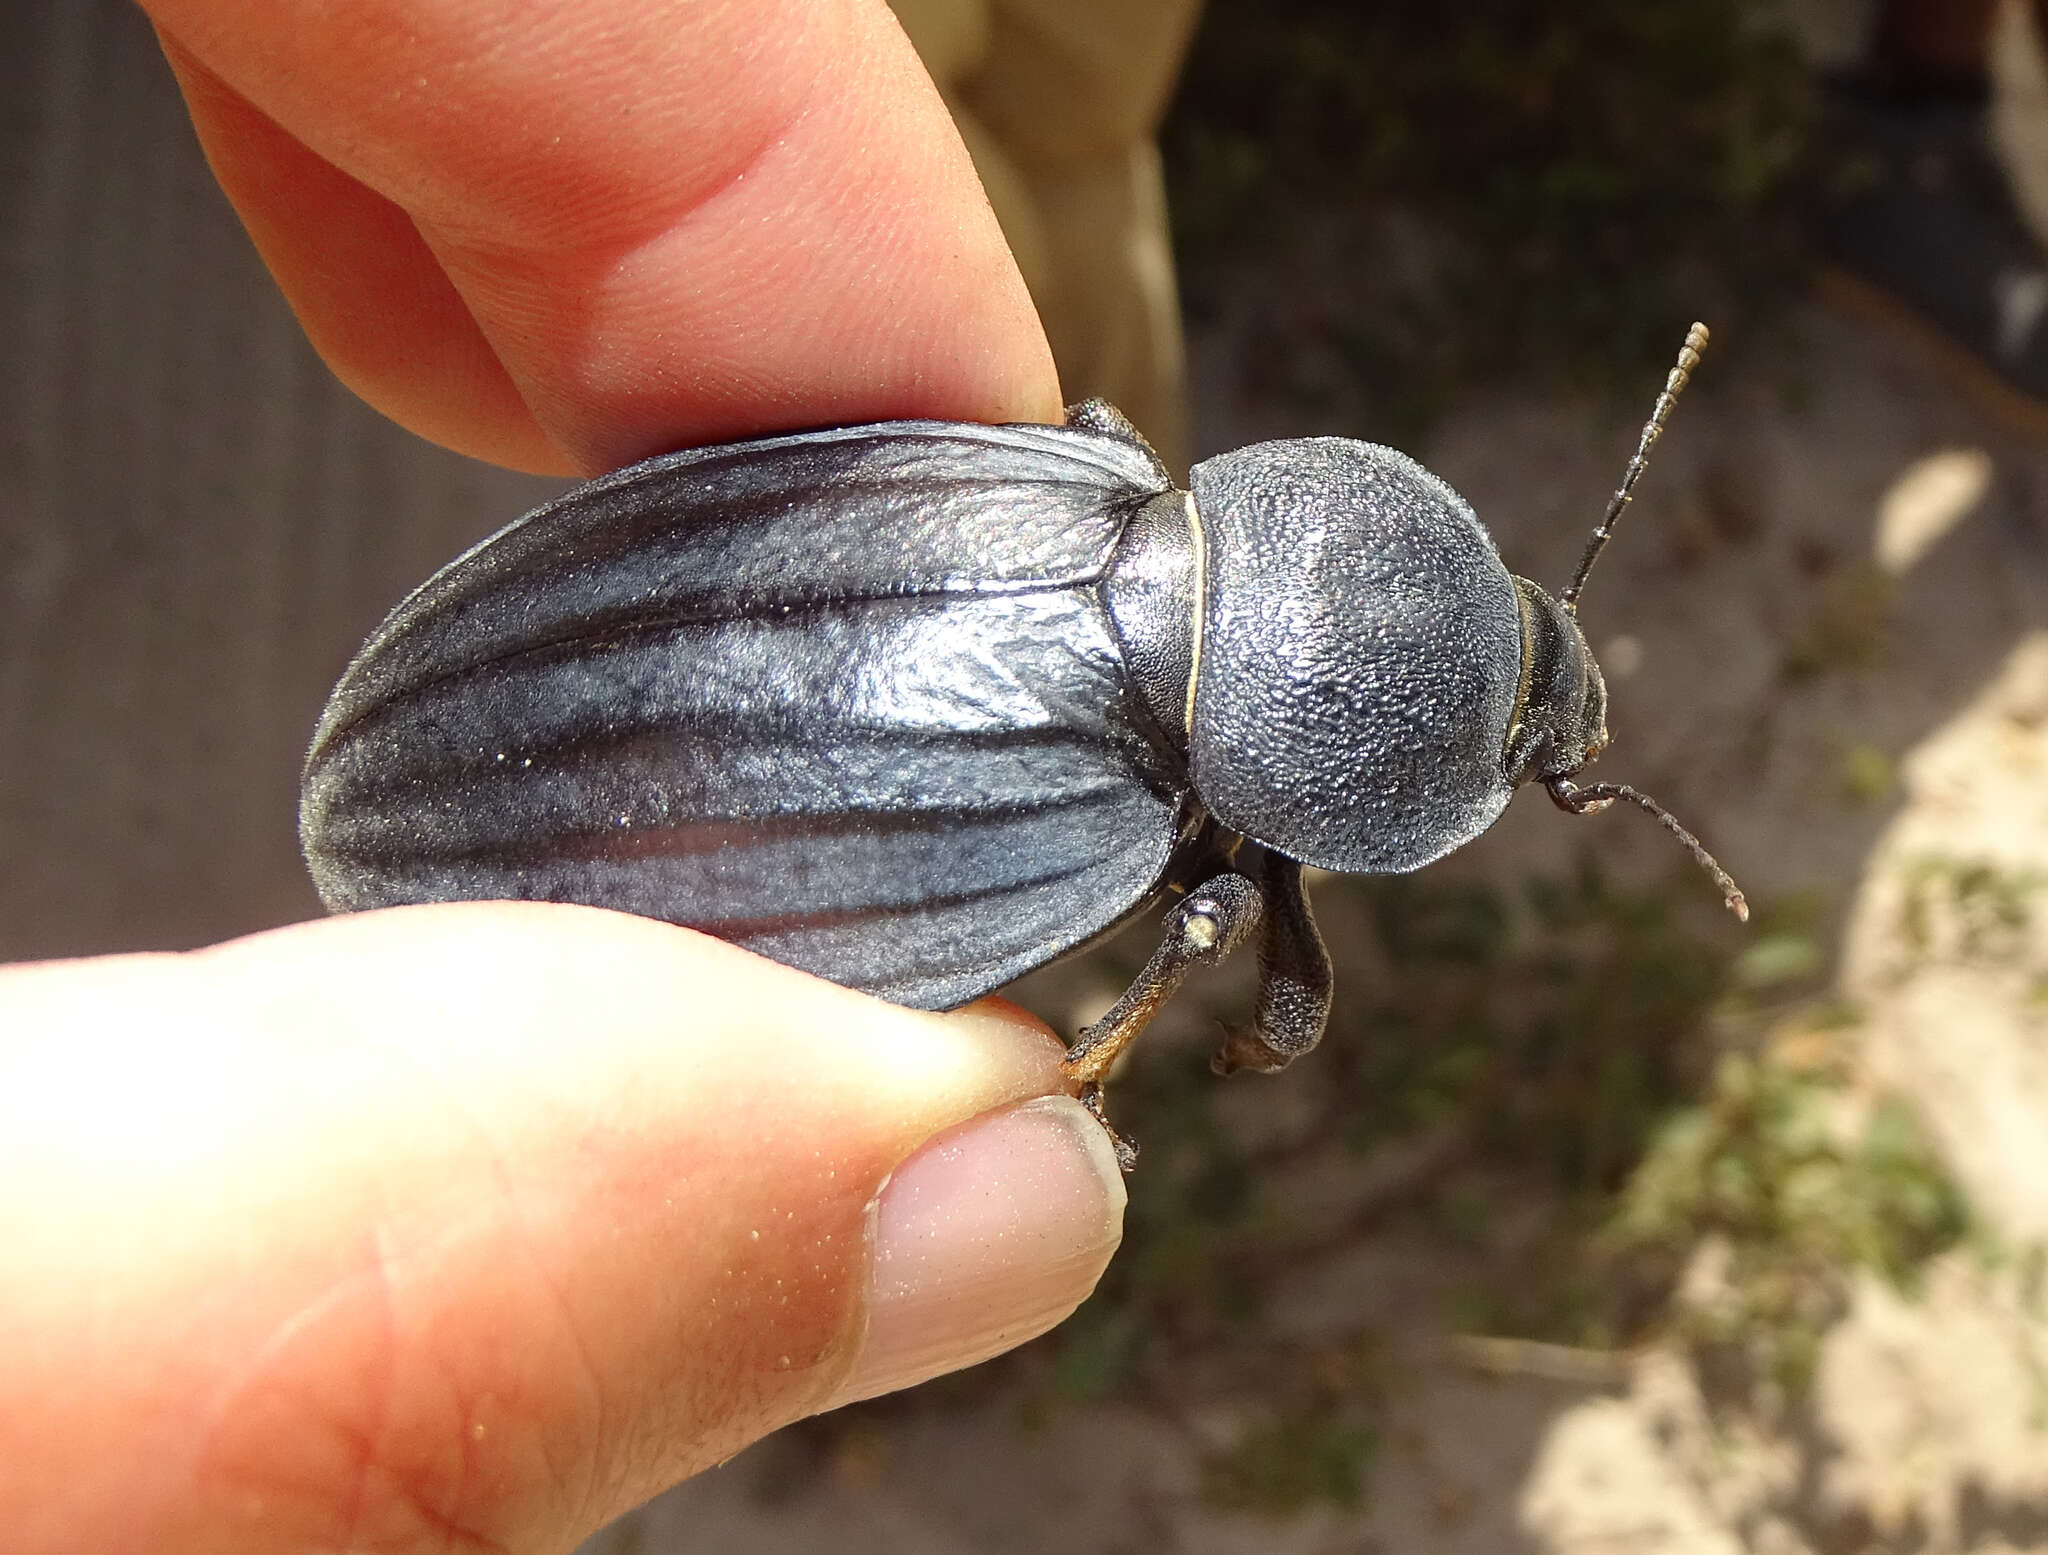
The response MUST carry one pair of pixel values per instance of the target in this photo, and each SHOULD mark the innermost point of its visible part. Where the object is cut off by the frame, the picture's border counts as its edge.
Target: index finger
(663, 224)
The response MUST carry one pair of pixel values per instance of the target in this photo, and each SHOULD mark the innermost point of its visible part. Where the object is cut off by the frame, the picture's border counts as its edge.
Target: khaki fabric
(1059, 103)
(2017, 60)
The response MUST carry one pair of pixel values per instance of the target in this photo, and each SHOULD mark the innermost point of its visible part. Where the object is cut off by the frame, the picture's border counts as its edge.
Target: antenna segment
(1674, 385)
(1568, 795)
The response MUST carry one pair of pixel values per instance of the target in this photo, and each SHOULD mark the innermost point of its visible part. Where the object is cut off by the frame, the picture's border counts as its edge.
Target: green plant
(1846, 630)
(1865, 775)
(1565, 185)
(1582, 1048)
(1281, 1467)
(1794, 1198)
(1967, 909)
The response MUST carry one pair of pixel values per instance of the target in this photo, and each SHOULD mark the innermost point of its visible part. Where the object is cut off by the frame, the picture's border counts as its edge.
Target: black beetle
(923, 705)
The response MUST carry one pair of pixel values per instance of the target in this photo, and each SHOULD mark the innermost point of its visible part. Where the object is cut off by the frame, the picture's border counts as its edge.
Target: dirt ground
(1827, 634)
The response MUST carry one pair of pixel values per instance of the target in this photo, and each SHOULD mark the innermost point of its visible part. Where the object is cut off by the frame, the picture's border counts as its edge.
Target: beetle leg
(1207, 925)
(1098, 415)
(1126, 1152)
(1294, 979)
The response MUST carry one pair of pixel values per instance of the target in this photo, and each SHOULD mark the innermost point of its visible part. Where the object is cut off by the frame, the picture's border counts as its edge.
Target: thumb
(484, 1223)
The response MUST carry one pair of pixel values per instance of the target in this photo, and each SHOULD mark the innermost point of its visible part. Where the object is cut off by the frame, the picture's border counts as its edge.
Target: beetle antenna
(1674, 385)
(1597, 796)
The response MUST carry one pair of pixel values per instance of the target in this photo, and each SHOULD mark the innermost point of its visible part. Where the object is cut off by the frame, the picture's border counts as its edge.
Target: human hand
(474, 1226)
(564, 237)
(478, 1225)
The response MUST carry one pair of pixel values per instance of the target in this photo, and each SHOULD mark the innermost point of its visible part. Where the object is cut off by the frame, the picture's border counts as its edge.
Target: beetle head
(1560, 720)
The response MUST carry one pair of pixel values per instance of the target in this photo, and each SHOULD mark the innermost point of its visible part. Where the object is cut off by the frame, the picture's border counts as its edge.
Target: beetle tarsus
(1126, 1152)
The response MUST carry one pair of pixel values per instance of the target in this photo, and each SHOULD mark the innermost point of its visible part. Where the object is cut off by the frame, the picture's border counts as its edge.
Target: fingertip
(623, 228)
(373, 300)
(985, 1238)
(494, 1188)
(1038, 1049)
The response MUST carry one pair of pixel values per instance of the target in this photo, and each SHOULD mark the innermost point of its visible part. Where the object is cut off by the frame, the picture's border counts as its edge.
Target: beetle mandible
(923, 705)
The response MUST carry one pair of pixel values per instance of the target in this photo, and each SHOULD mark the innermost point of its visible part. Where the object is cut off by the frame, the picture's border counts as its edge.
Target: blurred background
(1598, 1223)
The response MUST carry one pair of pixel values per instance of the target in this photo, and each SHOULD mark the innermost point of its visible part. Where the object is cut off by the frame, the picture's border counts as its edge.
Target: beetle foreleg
(1294, 979)
(1207, 925)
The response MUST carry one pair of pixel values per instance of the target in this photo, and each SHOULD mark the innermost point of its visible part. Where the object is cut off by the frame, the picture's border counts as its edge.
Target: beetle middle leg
(1294, 979)
(1207, 925)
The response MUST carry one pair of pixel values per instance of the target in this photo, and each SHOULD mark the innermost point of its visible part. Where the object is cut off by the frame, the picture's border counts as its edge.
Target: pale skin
(469, 1228)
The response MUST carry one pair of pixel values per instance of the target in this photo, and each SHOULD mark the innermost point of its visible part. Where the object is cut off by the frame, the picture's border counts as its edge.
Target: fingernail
(985, 1238)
